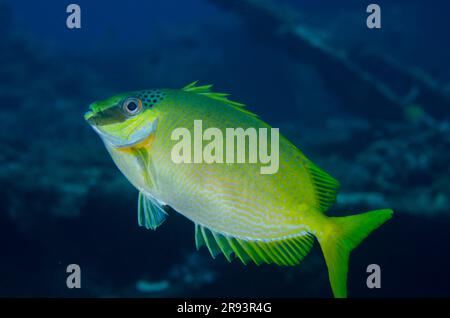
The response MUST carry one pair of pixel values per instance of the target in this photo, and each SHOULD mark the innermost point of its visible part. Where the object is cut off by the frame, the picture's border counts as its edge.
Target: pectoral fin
(151, 213)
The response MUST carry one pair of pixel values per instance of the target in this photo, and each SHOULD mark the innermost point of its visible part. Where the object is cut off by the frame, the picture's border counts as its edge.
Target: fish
(239, 212)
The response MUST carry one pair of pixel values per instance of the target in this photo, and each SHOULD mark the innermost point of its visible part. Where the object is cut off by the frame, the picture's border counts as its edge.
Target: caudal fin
(344, 234)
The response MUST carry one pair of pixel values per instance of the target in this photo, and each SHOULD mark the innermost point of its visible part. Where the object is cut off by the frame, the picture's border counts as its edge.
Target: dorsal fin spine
(205, 90)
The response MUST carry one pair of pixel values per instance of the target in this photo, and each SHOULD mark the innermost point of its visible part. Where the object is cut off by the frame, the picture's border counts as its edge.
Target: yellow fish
(264, 211)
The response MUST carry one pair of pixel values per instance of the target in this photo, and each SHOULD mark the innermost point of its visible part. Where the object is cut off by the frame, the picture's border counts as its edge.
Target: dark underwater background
(370, 106)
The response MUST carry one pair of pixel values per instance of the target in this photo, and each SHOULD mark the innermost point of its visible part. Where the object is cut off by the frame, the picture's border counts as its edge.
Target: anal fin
(151, 214)
(285, 252)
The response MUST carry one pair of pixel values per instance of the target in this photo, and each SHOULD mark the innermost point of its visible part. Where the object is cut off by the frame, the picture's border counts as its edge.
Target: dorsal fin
(325, 186)
(287, 251)
(205, 90)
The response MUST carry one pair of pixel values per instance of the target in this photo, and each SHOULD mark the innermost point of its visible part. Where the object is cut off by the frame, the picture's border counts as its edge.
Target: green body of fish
(237, 210)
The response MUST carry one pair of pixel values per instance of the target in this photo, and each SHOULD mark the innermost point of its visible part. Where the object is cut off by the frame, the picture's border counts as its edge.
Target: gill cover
(127, 119)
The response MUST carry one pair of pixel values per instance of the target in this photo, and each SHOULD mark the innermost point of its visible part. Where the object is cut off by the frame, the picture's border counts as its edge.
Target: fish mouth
(88, 115)
(134, 139)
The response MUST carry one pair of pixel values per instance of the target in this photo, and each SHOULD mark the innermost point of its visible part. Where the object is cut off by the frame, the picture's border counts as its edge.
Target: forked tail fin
(344, 234)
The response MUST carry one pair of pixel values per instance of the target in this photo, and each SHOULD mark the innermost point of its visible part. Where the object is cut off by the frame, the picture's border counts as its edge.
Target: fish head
(127, 119)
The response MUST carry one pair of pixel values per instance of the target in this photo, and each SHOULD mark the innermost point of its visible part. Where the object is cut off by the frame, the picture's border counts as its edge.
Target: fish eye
(132, 106)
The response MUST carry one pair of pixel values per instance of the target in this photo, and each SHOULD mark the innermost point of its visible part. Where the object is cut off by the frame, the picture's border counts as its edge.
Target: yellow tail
(342, 236)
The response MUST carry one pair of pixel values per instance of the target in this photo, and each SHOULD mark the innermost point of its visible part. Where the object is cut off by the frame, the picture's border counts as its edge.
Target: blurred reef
(381, 127)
